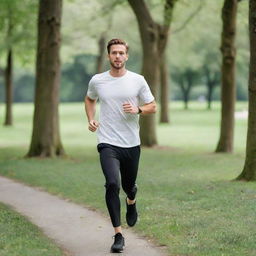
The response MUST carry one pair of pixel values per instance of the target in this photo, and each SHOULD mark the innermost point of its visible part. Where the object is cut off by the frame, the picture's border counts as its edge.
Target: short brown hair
(117, 41)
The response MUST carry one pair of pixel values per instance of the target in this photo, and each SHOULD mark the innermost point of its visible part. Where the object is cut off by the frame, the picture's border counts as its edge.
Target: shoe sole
(117, 251)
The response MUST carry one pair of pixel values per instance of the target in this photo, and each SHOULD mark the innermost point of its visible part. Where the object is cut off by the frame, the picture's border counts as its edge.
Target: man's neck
(117, 72)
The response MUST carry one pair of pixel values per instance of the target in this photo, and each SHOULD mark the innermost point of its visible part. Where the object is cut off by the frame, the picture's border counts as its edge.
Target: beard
(117, 65)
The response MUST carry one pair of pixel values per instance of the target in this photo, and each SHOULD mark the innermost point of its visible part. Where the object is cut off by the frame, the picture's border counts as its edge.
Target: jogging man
(123, 96)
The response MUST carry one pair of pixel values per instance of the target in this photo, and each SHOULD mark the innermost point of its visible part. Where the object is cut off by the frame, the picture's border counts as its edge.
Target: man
(123, 96)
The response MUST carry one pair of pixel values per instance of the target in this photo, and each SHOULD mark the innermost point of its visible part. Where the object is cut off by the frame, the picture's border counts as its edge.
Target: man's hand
(93, 125)
(129, 108)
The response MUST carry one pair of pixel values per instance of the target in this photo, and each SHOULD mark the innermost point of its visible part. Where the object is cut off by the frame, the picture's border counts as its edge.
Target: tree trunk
(228, 91)
(163, 38)
(100, 58)
(209, 88)
(163, 34)
(249, 170)
(154, 40)
(8, 89)
(164, 92)
(149, 37)
(186, 87)
(184, 91)
(46, 140)
(186, 101)
(150, 72)
(210, 83)
(209, 95)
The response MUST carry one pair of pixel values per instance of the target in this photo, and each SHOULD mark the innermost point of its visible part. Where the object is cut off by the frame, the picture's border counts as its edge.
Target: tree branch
(141, 10)
(168, 11)
(189, 18)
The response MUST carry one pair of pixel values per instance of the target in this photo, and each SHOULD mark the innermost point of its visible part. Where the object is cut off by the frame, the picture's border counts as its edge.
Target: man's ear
(127, 56)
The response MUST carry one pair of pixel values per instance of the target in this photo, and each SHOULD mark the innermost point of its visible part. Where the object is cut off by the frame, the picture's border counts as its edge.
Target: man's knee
(112, 186)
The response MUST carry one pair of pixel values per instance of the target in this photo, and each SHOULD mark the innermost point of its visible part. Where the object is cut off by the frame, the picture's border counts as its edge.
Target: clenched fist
(129, 108)
(93, 125)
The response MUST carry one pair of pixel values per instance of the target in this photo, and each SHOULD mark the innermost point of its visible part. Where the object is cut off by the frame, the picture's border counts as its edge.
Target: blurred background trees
(190, 59)
(195, 45)
(17, 36)
(199, 59)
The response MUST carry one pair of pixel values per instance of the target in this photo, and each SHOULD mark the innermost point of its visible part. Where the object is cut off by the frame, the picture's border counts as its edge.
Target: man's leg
(111, 167)
(129, 170)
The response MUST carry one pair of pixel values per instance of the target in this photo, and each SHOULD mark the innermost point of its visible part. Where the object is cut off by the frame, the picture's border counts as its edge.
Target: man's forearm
(90, 108)
(148, 108)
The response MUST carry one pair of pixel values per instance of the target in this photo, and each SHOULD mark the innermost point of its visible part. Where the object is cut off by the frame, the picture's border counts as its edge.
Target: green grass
(187, 199)
(18, 237)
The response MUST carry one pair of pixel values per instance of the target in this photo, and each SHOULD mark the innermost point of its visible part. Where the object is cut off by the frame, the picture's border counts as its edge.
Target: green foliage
(18, 29)
(24, 88)
(76, 76)
(195, 46)
(19, 237)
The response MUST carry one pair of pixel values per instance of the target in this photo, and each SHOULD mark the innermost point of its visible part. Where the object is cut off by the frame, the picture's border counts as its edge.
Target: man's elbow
(89, 100)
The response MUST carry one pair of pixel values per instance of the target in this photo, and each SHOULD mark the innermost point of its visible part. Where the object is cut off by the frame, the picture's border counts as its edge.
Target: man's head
(117, 41)
(117, 53)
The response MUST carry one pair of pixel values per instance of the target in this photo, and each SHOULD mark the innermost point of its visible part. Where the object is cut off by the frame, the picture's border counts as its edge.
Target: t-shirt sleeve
(91, 92)
(145, 94)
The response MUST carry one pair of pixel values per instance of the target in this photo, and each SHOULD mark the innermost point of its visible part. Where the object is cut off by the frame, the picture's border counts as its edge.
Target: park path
(80, 231)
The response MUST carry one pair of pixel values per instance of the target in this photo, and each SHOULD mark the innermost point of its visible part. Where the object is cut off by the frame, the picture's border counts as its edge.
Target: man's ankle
(118, 230)
(129, 202)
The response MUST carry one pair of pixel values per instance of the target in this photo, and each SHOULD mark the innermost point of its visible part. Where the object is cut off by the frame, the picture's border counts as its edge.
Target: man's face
(117, 56)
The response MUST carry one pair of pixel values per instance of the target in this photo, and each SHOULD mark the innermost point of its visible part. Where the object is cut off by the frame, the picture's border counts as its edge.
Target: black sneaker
(118, 245)
(131, 214)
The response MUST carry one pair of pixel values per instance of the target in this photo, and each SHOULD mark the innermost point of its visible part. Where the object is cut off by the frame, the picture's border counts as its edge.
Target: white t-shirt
(115, 126)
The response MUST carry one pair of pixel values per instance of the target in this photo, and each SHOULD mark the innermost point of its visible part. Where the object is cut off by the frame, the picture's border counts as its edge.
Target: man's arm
(90, 109)
(149, 108)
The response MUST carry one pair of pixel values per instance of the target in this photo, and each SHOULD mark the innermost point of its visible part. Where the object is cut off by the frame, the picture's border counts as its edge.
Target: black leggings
(115, 160)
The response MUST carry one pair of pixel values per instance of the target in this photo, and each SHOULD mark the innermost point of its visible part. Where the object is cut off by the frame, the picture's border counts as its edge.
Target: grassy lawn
(18, 237)
(187, 199)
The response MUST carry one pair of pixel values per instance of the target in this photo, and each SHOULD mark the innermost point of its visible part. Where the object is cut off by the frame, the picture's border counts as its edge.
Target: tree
(15, 28)
(75, 78)
(7, 29)
(228, 89)
(97, 23)
(154, 39)
(163, 34)
(249, 170)
(102, 43)
(9, 86)
(102, 49)
(212, 80)
(186, 79)
(149, 37)
(46, 140)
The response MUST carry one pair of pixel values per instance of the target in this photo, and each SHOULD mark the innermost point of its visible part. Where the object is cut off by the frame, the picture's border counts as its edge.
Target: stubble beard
(117, 66)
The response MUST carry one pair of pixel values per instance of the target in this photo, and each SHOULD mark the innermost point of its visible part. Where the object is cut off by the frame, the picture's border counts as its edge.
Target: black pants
(115, 161)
